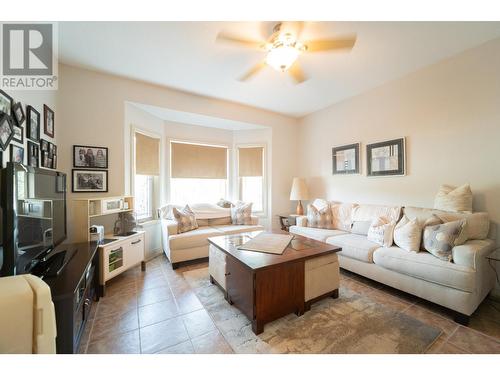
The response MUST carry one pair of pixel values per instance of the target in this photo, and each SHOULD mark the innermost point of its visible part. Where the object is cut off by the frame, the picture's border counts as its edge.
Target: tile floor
(156, 312)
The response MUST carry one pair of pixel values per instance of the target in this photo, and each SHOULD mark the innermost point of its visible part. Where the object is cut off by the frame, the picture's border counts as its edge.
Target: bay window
(251, 180)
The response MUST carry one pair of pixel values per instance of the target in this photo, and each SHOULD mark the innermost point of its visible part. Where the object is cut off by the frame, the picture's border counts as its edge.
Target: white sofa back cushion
(365, 212)
(209, 211)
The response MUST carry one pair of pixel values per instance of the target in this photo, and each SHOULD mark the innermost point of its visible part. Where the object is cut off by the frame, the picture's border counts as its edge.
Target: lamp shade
(299, 189)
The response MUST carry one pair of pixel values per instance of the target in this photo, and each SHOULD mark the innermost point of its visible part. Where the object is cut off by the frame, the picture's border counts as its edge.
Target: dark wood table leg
(143, 266)
(257, 327)
(335, 294)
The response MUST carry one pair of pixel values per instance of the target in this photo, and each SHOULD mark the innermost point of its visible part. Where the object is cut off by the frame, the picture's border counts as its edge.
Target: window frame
(156, 198)
(264, 212)
(198, 143)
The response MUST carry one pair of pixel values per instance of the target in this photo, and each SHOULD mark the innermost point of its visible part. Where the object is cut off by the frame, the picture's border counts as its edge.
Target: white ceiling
(184, 55)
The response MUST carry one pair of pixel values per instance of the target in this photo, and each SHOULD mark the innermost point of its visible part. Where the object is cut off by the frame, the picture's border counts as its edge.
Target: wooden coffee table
(264, 286)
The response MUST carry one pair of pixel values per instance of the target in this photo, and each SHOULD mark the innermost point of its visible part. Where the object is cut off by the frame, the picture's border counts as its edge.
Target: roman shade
(198, 161)
(147, 155)
(250, 161)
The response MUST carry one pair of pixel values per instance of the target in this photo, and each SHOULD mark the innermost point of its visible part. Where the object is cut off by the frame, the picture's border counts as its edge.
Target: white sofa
(212, 221)
(460, 285)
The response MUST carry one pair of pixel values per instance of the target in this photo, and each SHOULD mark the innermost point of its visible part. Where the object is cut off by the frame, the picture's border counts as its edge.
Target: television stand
(54, 264)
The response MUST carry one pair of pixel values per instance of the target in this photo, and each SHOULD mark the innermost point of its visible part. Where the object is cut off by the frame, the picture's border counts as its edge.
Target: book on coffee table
(270, 243)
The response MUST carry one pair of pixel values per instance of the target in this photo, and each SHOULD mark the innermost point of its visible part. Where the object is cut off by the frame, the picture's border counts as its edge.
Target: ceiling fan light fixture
(282, 58)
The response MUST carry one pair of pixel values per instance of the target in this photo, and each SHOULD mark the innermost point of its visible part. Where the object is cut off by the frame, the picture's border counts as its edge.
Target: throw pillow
(439, 240)
(381, 231)
(361, 227)
(319, 218)
(478, 223)
(241, 213)
(342, 215)
(186, 220)
(454, 199)
(408, 234)
(224, 203)
(320, 204)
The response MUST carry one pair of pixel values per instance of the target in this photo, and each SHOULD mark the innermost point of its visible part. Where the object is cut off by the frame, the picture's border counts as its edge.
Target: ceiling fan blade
(254, 70)
(329, 44)
(228, 38)
(297, 73)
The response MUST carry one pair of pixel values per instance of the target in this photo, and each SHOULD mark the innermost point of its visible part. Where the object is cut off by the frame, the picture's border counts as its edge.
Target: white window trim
(157, 192)
(200, 142)
(264, 213)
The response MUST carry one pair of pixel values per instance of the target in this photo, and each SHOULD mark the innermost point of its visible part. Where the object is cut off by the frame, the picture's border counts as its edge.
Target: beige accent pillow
(478, 223)
(454, 199)
(342, 215)
(381, 231)
(224, 203)
(241, 213)
(408, 234)
(186, 220)
(440, 239)
(319, 218)
(320, 204)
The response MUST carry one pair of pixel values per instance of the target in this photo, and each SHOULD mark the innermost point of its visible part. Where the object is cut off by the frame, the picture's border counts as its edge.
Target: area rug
(353, 323)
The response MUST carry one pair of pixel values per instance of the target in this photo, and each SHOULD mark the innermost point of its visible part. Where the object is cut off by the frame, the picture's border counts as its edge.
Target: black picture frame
(45, 160)
(18, 113)
(16, 153)
(33, 154)
(389, 152)
(44, 145)
(78, 189)
(32, 115)
(82, 161)
(336, 155)
(51, 149)
(48, 121)
(6, 103)
(6, 130)
(19, 129)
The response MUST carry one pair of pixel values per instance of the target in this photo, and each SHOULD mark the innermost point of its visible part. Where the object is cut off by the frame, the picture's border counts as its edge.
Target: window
(251, 177)
(147, 170)
(198, 173)
(144, 197)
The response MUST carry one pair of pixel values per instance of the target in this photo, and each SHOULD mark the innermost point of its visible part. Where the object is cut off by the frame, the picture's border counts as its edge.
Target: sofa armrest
(472, 252)
(169, 227)
(301, 221)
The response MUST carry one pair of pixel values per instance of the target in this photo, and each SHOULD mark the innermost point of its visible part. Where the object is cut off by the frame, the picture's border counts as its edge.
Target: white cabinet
(120, 255)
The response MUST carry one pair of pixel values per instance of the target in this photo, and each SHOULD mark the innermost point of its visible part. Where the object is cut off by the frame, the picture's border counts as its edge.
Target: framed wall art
(345, 159)
(89, 181)
(386, 158)
(48, 121)
(6, 103)
(6, 130)
(90, 157)
(32, 124)
(18, 113)
(33, 154)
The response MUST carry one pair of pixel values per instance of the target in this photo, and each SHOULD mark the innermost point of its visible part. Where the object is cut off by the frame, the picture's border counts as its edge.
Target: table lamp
(299, 192)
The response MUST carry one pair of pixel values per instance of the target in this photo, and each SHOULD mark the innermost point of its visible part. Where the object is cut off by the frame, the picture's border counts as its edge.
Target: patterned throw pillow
(454, 199)
(185, 218)
(381, 231)
(342, 215)
(408, 234)
(224, 203)
(241, 213)
(319, 218)
(440, 239)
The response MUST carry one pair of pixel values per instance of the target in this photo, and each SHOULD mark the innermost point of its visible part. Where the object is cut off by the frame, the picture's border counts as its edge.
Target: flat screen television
(33, 217)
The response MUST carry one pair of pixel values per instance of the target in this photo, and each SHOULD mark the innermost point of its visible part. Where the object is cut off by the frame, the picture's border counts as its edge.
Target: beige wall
(91, 110)
(450, 114)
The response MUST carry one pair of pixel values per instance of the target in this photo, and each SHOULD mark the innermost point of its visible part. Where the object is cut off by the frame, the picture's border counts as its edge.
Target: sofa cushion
(440, 239)
(425, 266)
(233, 229)
(355, 246)
(342, 215)
(455, 199)
(408, 234)
(315, 233)
(361, 227)
(186, 220)
(220, 221)
(241, 213)
(194, 238)
(321, 219)
(365, 212)
(381, 231)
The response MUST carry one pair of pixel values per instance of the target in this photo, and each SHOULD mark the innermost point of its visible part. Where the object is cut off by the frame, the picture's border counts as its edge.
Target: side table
(286, 221)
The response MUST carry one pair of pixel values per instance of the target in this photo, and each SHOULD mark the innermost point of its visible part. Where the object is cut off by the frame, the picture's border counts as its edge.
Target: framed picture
(90, 157)
(44, 145)
(6, 130)
(45, 162)
(18, 134)
(346, 159)
(18, 113)
(16, 154)
(89, 181)
(54, 162)
(51, 149)
(48, 121)
(33, 154)
(32, 124)
(6, 103)
(386, 158)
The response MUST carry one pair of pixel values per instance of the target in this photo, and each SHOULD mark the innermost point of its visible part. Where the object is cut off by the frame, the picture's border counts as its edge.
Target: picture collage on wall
(387, 158)
(39, 152)
(90, 169)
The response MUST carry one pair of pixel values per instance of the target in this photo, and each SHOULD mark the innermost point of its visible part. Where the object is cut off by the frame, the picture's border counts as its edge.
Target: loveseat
(212, 221)
(460, 285)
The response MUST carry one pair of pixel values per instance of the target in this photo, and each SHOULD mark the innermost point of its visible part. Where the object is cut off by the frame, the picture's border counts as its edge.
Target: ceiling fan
(283, 47)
